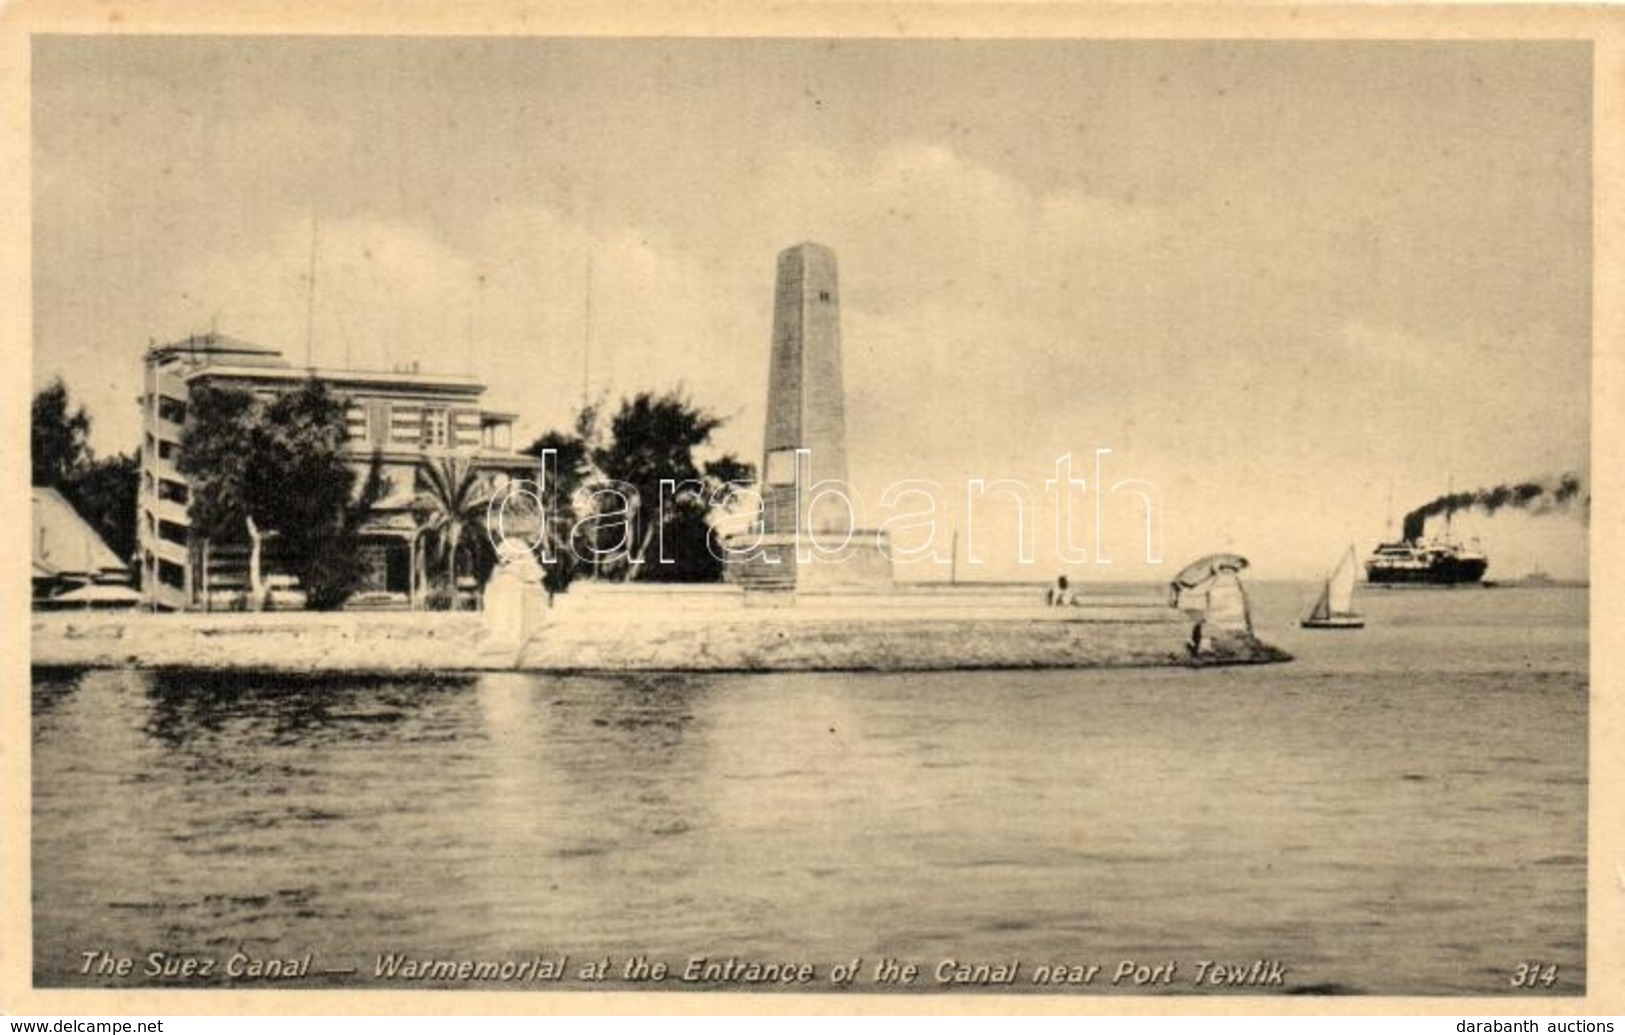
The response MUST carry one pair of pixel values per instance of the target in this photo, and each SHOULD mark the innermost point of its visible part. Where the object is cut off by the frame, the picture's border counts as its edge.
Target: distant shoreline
(1412, 587)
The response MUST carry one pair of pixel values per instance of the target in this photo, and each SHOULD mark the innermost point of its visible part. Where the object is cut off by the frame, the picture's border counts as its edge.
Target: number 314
(1528, 975)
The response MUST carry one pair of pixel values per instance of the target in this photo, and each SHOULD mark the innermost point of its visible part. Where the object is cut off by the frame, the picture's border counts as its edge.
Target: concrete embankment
(293, 642)
(847, 644)
(713, 629)
(648, 629)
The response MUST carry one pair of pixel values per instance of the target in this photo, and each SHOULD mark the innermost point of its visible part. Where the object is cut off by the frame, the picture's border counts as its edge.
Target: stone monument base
(790, 562)
(515, 604)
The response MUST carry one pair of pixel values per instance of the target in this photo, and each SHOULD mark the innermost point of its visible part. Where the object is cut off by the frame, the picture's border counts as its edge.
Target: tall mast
(586, 342)
(310, 299)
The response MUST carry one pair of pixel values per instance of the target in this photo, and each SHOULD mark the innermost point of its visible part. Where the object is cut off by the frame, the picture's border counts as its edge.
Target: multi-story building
(402, 417)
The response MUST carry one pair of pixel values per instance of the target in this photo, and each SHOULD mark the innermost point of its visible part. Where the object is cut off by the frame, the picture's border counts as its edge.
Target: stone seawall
(852, 644)
(294, 642)
(607, 636)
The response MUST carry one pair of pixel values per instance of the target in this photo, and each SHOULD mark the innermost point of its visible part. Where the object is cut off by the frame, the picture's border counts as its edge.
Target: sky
(1296, 288)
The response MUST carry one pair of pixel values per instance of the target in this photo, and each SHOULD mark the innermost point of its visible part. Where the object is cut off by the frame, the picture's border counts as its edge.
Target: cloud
(988, 329)
(1273, 304)
(386, 293)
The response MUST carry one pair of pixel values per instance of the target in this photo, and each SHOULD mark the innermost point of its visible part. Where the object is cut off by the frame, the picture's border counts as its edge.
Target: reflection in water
(191, 708)
(1357, 814)
(587, 797)
(51, 686)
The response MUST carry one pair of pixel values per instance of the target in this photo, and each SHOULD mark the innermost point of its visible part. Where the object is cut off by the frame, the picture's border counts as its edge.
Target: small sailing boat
(1335, 608)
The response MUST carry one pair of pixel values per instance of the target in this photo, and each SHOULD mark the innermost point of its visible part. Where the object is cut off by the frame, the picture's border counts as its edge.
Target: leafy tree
(650, 439)
(562, 479)
(722, 475)
(452, 500)
(104, 493)
(216, 457)
(59, 441)
(301, 484)
(730, 470)
(571, 461)
(299, 481)
(335, 567)
(279, 468)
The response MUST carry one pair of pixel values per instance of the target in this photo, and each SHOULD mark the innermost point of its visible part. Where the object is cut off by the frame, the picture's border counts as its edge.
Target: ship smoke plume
(1535, 497)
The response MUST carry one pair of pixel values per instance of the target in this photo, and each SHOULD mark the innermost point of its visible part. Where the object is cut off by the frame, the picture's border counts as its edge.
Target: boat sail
(1335, 608)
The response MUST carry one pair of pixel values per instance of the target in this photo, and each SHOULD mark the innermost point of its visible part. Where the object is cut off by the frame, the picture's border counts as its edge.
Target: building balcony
(164, 429)
(168, 510)
(165, 550)
(165, 468)
(164, 596)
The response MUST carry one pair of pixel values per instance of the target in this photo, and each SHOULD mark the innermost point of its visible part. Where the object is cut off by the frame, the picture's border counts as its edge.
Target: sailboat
(1335, 608)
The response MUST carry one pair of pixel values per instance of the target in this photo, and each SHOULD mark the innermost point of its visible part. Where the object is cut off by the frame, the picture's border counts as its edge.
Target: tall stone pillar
(806, 400)
(807, 539)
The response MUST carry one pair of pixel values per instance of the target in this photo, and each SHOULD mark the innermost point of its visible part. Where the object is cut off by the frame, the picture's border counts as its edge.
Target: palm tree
(452, 498)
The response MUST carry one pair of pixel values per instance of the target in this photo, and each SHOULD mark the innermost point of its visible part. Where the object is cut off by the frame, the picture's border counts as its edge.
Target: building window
(171, 410)
(174, 492)
(167, 450)
(465, 428)
(172, 532)
(434, 427)
(172, 574)
(498, 436)
(823, 296)
(378, 422)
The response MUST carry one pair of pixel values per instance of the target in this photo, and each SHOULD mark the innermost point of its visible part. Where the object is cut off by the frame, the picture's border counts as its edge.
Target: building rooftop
(215, 344)
(369, 378)
(219, 355)
(64, 543)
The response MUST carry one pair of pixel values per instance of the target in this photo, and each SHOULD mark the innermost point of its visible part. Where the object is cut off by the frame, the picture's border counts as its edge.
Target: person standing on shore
(1060, 595)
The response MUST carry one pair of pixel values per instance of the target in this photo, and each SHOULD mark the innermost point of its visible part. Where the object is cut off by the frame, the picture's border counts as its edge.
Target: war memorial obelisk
(807, 538)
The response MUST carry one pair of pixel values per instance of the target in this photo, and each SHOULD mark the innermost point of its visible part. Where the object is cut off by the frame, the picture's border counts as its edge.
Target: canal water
(1401, 810)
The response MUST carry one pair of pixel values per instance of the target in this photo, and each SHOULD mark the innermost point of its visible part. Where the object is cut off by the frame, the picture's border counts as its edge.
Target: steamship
(1433, 562)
